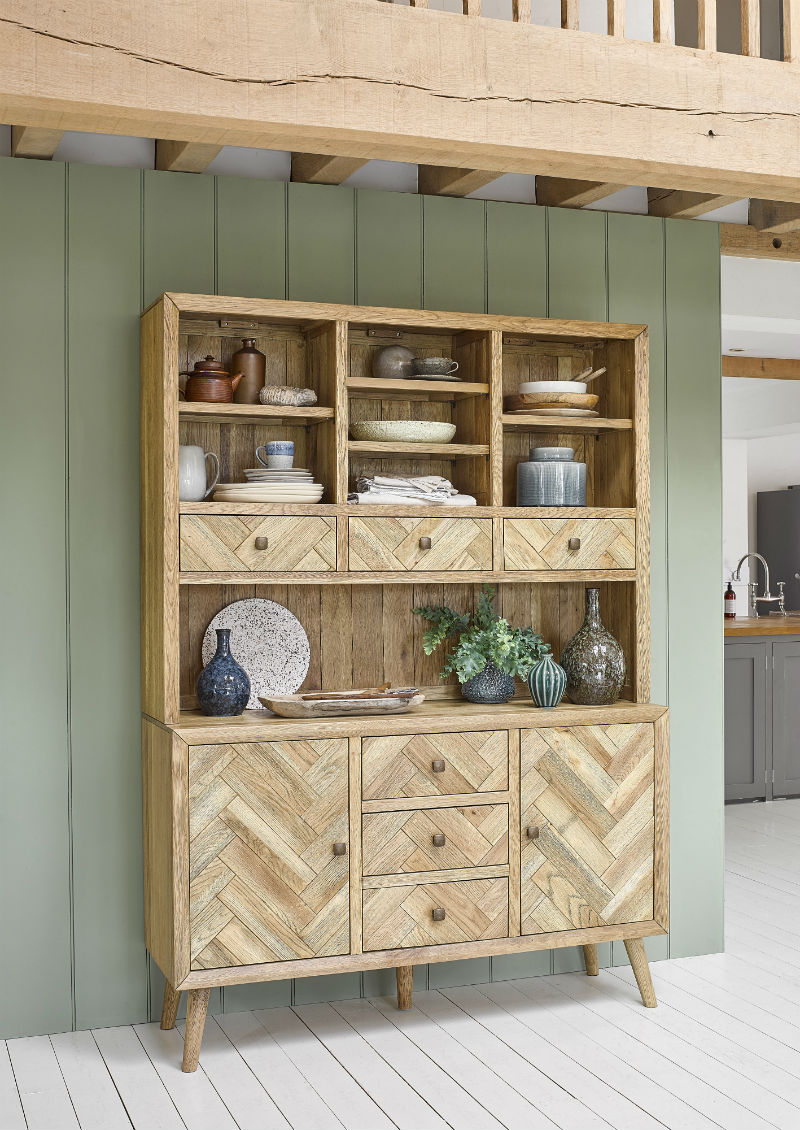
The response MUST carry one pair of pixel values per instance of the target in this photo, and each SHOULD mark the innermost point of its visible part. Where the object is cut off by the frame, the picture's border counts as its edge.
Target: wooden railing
(523, 11)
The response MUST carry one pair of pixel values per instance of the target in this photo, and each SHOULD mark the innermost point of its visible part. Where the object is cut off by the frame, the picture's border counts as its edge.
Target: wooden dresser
(277, 848)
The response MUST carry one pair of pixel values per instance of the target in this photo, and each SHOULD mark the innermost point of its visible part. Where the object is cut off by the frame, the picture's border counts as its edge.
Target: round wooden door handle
(439, 840)
(532, 831)
(340, 849)
(424, 543)
(574, 543)
(262, 543)
(437, 766)
(439, 914)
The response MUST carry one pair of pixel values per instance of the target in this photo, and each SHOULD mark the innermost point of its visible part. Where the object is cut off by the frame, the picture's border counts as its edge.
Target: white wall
(735, 522)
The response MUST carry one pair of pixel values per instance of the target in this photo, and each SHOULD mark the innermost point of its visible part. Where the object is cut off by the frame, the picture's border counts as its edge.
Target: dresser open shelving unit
(264, 837)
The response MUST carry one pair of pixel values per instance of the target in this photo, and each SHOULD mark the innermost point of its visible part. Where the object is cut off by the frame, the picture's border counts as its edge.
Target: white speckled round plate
(268, 641)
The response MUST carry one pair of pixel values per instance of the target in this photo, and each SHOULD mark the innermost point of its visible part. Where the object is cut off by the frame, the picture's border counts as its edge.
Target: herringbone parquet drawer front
(229, 543)
(434, 839)
(417, 765)
(265, 883)
(587, 826)
(433, 914)
(420, 544)
(544, 543)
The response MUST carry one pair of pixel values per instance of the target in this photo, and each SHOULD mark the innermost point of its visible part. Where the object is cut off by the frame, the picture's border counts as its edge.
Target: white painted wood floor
(721, 1050)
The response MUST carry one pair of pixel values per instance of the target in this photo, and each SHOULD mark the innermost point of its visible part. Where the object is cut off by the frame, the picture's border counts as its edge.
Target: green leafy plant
(484, 637)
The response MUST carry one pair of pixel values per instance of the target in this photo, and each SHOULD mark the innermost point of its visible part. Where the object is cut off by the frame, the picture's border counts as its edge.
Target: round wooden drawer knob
(439, 914)
(574, 543)
(533, 831)
(439, 839)
(424, 543)
(437, 766)
(262, 543)
(340, 849)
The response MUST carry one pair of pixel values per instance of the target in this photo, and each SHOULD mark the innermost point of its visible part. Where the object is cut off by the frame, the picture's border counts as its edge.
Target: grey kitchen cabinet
(762, 717)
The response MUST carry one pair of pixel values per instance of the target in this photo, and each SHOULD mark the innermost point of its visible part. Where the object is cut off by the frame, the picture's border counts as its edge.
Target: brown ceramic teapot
(211, 382)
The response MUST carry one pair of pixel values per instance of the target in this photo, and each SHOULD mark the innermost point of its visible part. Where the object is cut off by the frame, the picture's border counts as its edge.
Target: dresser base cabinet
(280, 849)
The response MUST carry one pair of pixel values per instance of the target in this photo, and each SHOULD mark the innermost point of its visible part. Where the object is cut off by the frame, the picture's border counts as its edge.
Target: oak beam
(683, 205)
(742, 241)
(558, 192)
(28, 141)
(766, 368)
(521, 11)
(570, 14)
(439, 180)
(774, 216)
(751, 27)
(616, 17)
(662, 21)
(318, 168)
(184, 156)
(791, 30)
(707, 25)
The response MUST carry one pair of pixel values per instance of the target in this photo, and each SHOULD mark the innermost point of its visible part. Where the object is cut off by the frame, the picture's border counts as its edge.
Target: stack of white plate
(293, 484)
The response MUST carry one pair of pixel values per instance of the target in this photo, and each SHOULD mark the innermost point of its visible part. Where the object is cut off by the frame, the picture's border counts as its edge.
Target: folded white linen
(392, 498)
(421, 486)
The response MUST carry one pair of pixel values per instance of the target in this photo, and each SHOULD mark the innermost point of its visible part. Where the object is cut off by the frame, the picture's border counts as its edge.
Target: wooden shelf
(414, 390)
(353, 510)
(253, 413)
(404, 450)
(519, 422)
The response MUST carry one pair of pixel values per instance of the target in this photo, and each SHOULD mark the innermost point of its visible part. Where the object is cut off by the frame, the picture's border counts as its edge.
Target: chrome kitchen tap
(752, 586)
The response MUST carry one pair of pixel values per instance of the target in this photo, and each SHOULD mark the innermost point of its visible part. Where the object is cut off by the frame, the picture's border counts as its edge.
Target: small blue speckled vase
(547, 682)
(223, 687)
(491, 685)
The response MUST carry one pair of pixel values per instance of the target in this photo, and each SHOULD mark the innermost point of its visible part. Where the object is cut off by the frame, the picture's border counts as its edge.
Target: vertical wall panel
(251, 237)
(694, 510)
(516, 259)
(104, 257)
(454, 268)
(178, 234)
(321, 243)
(388, 248)
(636, 294)
(35, 938)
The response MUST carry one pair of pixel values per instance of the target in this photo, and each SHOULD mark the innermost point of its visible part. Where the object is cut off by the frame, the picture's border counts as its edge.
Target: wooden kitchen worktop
(788, 625)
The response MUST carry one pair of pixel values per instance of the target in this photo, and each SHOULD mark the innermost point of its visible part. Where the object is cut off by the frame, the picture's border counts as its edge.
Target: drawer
(434, 839)
(434, 914)
(412, 765)
(419, 544)
(569, 543)
(230, 543)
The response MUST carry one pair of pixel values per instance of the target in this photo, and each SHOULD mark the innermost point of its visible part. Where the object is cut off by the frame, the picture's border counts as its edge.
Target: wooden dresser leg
(592, 961)
(405, 985)
(169, 1009)
(637, 955)
(196, 1008)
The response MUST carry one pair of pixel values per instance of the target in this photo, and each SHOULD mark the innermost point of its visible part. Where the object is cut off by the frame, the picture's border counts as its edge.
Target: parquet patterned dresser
(277, 848)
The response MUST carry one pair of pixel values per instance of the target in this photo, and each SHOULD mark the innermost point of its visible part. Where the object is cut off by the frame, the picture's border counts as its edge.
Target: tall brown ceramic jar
(252, 363)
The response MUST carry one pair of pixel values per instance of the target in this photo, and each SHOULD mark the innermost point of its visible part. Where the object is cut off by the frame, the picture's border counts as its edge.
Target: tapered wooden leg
(592, 961)
(169, 1009)
(637, 955)
(196, 1008)
(405, 985)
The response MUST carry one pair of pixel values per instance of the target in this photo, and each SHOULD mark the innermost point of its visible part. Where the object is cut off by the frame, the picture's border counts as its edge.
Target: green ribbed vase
(547, 682)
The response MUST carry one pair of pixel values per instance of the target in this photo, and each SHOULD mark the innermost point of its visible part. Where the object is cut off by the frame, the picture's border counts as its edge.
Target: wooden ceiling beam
(184, 156)
(682, 205)
(559, 192)
(743, 241)
(441, 180)
(29, 141)
(767, 368)
(774, 216)
(318, 168)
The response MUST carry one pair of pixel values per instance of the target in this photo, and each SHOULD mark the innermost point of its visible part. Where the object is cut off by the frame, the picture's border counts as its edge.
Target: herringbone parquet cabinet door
(587, 826)
(265, 883)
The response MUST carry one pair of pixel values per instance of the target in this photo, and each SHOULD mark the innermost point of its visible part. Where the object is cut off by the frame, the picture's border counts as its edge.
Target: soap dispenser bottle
(729, 601)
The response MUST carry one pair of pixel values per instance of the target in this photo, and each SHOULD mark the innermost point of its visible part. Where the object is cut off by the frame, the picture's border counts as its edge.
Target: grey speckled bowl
(403, 431)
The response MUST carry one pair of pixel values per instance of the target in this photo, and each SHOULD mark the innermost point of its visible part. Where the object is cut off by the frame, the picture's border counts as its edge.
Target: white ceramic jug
(193, 485)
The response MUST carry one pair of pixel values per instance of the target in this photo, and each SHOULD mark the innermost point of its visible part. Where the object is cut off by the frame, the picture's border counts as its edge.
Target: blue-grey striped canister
(547, 682)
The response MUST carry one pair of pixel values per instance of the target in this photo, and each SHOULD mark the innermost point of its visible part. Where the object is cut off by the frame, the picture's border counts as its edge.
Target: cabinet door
(746, 720)
(587, 808)
(786, 717)
(265, 881)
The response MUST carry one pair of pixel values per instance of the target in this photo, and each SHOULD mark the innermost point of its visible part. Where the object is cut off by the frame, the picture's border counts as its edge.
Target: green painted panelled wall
(83, 249)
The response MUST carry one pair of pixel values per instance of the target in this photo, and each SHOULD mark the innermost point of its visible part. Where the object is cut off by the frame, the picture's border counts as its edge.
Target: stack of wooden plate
(553, 403)
(293, 484)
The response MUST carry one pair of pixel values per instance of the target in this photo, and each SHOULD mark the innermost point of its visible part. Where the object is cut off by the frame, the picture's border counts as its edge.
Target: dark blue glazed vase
(223, 687)
(491, 685)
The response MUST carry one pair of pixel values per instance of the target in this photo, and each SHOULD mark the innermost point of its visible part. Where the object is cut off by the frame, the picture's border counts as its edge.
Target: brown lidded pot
(211, 382)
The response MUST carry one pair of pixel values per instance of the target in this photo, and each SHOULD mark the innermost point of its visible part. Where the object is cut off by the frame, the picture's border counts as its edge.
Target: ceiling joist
(30, 141)
(766, 368)
(743, 241)
(441, 180)
(684, 205)
(558, 192)
(774, 216)
(185, 156)
(317, 168)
